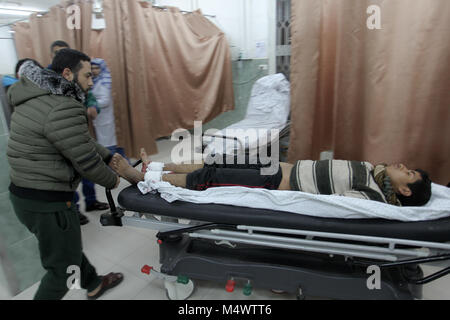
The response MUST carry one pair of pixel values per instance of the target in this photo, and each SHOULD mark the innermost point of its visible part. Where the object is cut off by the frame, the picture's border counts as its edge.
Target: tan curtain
(97, 43)
(34, 38)
(372, 95)
(169, 70)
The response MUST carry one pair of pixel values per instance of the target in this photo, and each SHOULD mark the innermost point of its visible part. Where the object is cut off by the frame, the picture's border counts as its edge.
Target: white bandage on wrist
(156, 166)
(153, 176)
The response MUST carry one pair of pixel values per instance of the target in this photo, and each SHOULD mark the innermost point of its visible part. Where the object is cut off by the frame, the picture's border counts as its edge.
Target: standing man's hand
(117, 183)
(92, 113)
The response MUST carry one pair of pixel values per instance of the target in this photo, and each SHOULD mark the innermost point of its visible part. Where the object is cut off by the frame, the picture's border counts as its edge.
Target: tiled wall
(245, 74)
(20, 257)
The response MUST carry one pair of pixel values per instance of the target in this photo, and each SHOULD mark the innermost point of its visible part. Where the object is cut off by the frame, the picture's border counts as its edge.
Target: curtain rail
(182, 11)
(100, 12)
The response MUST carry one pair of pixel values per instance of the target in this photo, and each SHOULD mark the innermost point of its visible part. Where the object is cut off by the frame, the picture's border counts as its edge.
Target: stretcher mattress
(131, 199)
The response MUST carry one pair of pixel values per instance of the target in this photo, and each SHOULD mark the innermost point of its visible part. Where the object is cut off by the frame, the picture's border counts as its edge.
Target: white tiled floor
(126, 250)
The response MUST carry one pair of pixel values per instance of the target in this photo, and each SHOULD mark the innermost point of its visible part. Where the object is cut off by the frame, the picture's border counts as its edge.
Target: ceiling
(35, 5)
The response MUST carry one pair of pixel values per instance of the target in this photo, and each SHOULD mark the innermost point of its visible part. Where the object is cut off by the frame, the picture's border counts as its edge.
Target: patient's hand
(144, 157)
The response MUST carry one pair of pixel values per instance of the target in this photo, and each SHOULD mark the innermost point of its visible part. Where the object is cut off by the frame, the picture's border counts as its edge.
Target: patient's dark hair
(69, 58)
(421, 192)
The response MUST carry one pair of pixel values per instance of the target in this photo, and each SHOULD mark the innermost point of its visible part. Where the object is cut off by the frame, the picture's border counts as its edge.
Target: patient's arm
(366, 194)
(120, 165)
(183, 168)
(176, 168)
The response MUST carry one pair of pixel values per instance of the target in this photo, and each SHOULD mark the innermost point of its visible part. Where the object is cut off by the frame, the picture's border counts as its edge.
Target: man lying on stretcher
(393, 184)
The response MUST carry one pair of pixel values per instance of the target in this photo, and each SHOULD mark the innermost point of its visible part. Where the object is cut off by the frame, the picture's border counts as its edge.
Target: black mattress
(131, 199)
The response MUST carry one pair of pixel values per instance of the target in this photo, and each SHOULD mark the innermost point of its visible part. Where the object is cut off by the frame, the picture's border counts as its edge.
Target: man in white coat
(105, 128)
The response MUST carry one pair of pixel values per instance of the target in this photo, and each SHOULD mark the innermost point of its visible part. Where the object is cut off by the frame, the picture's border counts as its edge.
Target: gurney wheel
(177, 291)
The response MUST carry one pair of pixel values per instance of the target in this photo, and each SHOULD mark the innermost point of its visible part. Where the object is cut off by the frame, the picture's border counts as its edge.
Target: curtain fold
(171, 69)
(372, 95)
(34, 38)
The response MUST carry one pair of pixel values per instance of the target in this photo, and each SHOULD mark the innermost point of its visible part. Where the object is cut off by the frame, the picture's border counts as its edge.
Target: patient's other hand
(145, 160)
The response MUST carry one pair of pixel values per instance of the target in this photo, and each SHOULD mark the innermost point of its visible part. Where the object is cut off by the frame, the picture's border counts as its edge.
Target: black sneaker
(97, 206)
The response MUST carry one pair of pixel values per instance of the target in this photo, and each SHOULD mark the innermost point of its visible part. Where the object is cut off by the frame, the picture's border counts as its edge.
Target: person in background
(56, 46)
(8, 81)
(90, 198)
(49, 150)
(105, 127)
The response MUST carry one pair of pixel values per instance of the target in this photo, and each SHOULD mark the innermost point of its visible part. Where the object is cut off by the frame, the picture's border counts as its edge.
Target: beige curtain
(373, 95)
(169, 69)
(34, 38)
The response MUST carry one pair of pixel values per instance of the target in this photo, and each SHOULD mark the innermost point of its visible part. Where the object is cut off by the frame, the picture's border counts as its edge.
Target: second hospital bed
(269, 249)
(265, 122)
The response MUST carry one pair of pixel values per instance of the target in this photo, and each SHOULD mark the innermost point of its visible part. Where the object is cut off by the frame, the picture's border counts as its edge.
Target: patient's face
(401, 176)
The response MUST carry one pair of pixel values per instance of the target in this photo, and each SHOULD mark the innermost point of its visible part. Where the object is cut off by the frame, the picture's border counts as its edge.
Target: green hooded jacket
(50, 148)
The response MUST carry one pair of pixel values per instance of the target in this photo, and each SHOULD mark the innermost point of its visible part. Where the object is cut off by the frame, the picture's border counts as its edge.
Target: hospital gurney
(267, 249)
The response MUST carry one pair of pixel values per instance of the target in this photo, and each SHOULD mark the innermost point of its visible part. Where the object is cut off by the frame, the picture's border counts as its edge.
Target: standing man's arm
(67, 129)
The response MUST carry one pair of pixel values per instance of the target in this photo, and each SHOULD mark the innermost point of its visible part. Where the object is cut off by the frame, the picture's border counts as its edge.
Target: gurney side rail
(392, 242)
(384, 250)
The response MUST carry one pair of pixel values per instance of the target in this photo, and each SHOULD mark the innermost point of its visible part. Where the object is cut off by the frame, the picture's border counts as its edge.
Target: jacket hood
(35, 82)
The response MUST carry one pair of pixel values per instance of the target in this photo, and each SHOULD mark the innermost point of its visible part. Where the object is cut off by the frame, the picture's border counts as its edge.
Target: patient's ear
(405, 191)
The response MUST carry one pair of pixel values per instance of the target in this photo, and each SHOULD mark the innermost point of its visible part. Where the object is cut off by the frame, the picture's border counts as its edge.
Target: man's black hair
(69, 58)
(22, 61)
(59, 43)
(421, 192)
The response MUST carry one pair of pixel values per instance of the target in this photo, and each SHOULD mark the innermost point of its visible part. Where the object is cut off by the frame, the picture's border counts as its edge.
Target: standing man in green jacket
(88, 189)
(50, 150)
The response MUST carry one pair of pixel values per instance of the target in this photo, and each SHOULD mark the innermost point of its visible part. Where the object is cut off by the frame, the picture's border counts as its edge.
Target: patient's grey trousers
(233, 175)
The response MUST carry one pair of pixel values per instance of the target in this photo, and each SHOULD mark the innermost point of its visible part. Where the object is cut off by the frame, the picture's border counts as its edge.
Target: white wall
(8, 56)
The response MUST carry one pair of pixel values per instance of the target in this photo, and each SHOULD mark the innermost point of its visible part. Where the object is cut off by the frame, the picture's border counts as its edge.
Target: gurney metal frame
(305, 262)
